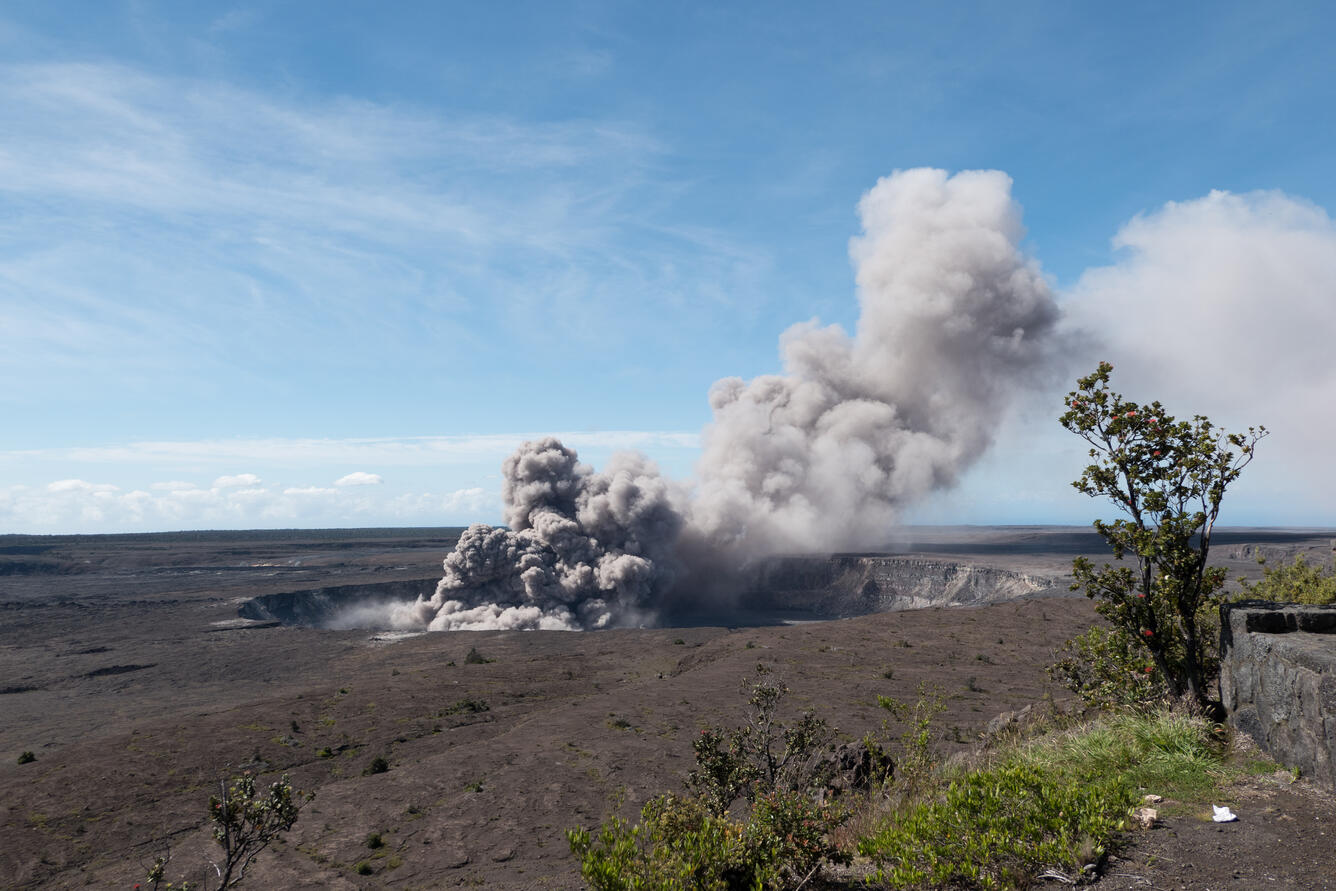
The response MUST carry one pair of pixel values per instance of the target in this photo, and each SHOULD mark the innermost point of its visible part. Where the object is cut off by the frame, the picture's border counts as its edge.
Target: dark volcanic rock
(1278, 681)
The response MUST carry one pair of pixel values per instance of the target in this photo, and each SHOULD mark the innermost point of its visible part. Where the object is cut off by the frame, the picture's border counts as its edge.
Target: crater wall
(858, 584)
(320, 607)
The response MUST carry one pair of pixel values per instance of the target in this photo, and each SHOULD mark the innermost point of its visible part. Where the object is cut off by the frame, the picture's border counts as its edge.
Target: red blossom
(1147, 633)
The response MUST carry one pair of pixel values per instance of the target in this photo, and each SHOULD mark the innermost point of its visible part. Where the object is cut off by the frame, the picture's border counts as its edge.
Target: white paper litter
(1223, 814)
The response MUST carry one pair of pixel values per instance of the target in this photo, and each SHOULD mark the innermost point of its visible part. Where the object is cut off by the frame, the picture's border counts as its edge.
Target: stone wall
(1278, 681)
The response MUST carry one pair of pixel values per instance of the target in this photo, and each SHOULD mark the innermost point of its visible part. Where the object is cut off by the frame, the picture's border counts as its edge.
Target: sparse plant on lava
(1168, 477)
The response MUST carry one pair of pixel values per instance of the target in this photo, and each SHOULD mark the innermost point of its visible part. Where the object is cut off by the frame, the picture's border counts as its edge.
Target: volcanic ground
(127, 669)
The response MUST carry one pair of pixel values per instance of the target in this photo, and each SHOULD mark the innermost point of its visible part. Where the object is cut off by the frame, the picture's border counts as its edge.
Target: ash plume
(954, 320)
(583, 549)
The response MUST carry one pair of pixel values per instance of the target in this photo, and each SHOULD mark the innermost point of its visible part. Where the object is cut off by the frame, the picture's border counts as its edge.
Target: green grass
(1059, 800)
(1165, 753)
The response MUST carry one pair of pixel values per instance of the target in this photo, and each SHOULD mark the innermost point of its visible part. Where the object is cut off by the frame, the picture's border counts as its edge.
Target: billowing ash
(954, 320)
(584, 549)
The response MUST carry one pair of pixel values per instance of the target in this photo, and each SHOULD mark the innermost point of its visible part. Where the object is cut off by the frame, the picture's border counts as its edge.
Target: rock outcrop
(1278, 681)
(859, 584)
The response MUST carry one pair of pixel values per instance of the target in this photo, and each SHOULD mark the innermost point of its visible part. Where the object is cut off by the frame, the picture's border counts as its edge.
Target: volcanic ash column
(584, 549)
(954, 320)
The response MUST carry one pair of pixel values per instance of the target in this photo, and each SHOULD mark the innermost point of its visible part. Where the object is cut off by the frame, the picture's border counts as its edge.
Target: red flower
(1157, 453)
(1142, 596)
(1149, 669)
(1131, 414)
(1147, 633)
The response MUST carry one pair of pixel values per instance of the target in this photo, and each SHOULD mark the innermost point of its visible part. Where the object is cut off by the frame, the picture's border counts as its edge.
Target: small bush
(916, 766)
(246, 820)
(377, 765)
(680, 843)
(778, 840)
(324, 752)
(1298, 582)
(994, 828)
(363, 868)
(374, 840)
(27, 758)
(1108, 671)
(466, 707)
(476, 658)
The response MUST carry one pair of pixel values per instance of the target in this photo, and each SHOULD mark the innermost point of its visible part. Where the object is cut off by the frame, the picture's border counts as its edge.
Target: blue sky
(312, 264)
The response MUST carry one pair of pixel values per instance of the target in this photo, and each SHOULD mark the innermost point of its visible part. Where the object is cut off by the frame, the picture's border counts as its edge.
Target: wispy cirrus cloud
(153, 222)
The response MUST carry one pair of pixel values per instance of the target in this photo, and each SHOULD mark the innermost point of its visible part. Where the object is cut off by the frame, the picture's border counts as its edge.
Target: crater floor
(124, 668)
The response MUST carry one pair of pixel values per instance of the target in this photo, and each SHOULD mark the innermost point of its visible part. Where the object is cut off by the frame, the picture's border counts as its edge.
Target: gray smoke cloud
(954, 320)
(583, 549)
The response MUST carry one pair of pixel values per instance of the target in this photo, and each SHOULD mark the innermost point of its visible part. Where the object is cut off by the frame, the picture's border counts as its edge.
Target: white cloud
(395, 451)
(74, 505)
(1226, 306)
(472, 500)
(80, 486)
(359, 478)
(237, 481)
(171, 485)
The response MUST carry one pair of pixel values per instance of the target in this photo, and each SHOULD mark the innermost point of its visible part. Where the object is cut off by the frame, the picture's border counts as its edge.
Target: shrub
(375, 840)
(680, 843)
(476, 658)
(377, 765)
(778, 839)
(1107, 670)
(26, 757)
(245, 821)
(363, 868)
(1298, 582)
(995, 827)
(1168, 477)
(918, 760)
(762, 756)
(466, 707)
